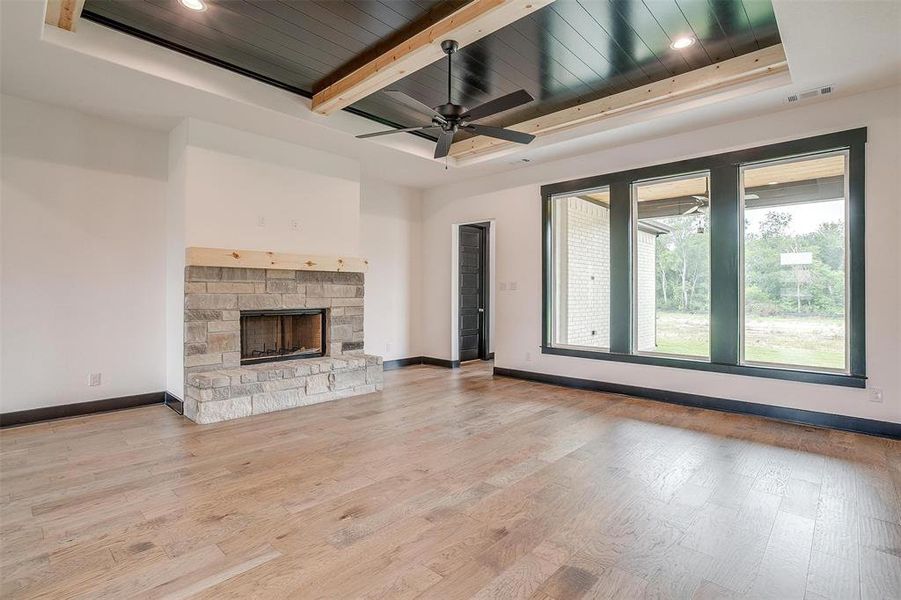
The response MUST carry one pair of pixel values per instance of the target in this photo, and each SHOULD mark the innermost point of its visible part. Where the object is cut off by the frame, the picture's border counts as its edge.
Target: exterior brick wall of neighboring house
(583, 274)
(647, 291)
(588, 269)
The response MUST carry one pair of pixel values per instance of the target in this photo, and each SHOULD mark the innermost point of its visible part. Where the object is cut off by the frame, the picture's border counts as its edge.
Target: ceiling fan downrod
(449, 47)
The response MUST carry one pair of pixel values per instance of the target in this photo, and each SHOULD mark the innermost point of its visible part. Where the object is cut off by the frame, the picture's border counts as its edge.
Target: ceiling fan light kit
(449, 118)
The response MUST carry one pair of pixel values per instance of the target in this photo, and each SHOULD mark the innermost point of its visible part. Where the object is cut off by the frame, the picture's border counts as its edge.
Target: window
(795, 262)
(581, 270)
(749, 262)
(672, 266)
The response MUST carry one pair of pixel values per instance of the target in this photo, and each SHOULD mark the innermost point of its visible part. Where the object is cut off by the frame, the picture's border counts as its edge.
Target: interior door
(473, 288)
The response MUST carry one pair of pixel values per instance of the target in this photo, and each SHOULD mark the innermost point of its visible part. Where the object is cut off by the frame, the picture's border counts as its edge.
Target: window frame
(743, 360)
(726, 210)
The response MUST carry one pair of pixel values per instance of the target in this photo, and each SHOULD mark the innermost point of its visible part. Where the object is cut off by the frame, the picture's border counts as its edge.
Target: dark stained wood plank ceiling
(567, 53)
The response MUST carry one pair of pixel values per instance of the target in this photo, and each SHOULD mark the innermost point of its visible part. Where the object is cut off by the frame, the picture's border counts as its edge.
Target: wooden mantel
(260, 259)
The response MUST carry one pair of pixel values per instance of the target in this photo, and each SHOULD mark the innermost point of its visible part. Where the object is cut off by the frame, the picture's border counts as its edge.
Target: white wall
(513, 201)
(389, 238)
(175, 260)
(83, 241)
(234, 178)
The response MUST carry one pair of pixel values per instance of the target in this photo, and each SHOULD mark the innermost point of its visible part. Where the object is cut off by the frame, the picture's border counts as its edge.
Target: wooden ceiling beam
(742, 69)
(63, 13)
(471, 22)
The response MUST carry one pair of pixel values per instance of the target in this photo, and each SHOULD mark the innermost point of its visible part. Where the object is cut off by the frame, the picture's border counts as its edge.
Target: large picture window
(749, 262)
(795, 268)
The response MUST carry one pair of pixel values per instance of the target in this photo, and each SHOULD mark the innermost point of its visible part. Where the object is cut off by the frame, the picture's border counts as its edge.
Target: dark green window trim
(725, 231)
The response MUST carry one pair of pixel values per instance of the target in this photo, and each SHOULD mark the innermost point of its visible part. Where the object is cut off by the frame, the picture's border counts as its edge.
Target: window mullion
(725, 280)
(857, 262)
(621, 317)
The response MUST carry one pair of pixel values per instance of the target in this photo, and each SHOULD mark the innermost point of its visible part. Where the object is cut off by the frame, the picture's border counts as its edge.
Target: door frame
(488, 226)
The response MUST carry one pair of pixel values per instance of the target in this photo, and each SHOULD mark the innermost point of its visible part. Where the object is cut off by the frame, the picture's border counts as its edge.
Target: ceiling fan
(450, 117)
(699, 206)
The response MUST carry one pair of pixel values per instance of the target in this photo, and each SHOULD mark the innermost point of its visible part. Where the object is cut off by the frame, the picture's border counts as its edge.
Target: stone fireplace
(261, 339)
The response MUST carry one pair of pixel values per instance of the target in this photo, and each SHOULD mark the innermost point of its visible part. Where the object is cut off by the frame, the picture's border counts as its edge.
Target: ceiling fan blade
(390, 131)
(502, 134)
(497, 105)
(413, 103)
(444, 144)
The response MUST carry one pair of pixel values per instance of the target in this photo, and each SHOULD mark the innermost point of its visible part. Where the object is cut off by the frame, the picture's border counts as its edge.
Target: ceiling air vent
(808, 94)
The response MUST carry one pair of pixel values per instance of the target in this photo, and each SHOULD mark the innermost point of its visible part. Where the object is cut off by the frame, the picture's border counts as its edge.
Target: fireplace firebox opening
(268, 335)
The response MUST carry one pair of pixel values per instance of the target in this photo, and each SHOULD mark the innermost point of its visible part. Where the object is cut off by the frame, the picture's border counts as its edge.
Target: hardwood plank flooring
(449, 484)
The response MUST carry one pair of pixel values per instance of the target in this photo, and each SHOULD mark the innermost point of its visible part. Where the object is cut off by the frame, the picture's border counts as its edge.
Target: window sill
(855, 381)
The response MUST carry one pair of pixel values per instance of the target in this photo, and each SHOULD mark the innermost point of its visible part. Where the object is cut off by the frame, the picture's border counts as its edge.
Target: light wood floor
(450, 484)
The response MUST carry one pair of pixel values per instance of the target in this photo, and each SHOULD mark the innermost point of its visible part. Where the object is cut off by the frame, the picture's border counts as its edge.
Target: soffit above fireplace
(259, 259)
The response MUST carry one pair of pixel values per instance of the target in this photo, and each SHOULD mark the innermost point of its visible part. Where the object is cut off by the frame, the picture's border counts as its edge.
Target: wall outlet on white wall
(513, 286)
(528, 357)
(295, 225)
(94, 379)
(875, 394)
(502, 285)
(387, 347)
(261, 221)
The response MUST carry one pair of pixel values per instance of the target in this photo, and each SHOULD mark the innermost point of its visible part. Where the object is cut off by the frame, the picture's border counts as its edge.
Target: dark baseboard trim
(390, 365)
(792, 415)
(174, 402)
(441, 362)
(397, 363)
(47, 413)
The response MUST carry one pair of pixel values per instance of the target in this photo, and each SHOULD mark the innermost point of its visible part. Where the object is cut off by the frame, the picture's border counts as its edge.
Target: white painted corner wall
(513, 201)
(83, 247)
(390, 217)
(96, 216)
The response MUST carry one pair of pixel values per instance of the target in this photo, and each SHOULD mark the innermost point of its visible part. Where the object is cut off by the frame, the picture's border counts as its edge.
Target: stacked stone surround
(214, 299)
(223, 394)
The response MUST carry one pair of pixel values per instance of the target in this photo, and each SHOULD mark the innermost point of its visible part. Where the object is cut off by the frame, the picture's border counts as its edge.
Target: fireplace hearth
(272, 335)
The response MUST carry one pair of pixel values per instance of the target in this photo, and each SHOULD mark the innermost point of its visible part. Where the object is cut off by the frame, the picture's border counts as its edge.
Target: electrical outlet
(295, 225)
(875, 395)
(94, 379)
(513, 286)
(261, 221)
(387, 347)
(502, 285)
(528, 357)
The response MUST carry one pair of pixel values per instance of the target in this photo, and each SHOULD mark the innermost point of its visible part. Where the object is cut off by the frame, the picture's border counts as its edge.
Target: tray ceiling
(565, 54)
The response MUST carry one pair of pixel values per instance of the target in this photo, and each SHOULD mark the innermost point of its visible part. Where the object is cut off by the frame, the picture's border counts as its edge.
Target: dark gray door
(473, 288)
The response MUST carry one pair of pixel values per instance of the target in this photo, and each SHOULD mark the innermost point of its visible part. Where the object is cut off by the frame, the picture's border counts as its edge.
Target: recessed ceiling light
(682, 43)
(197, 5)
